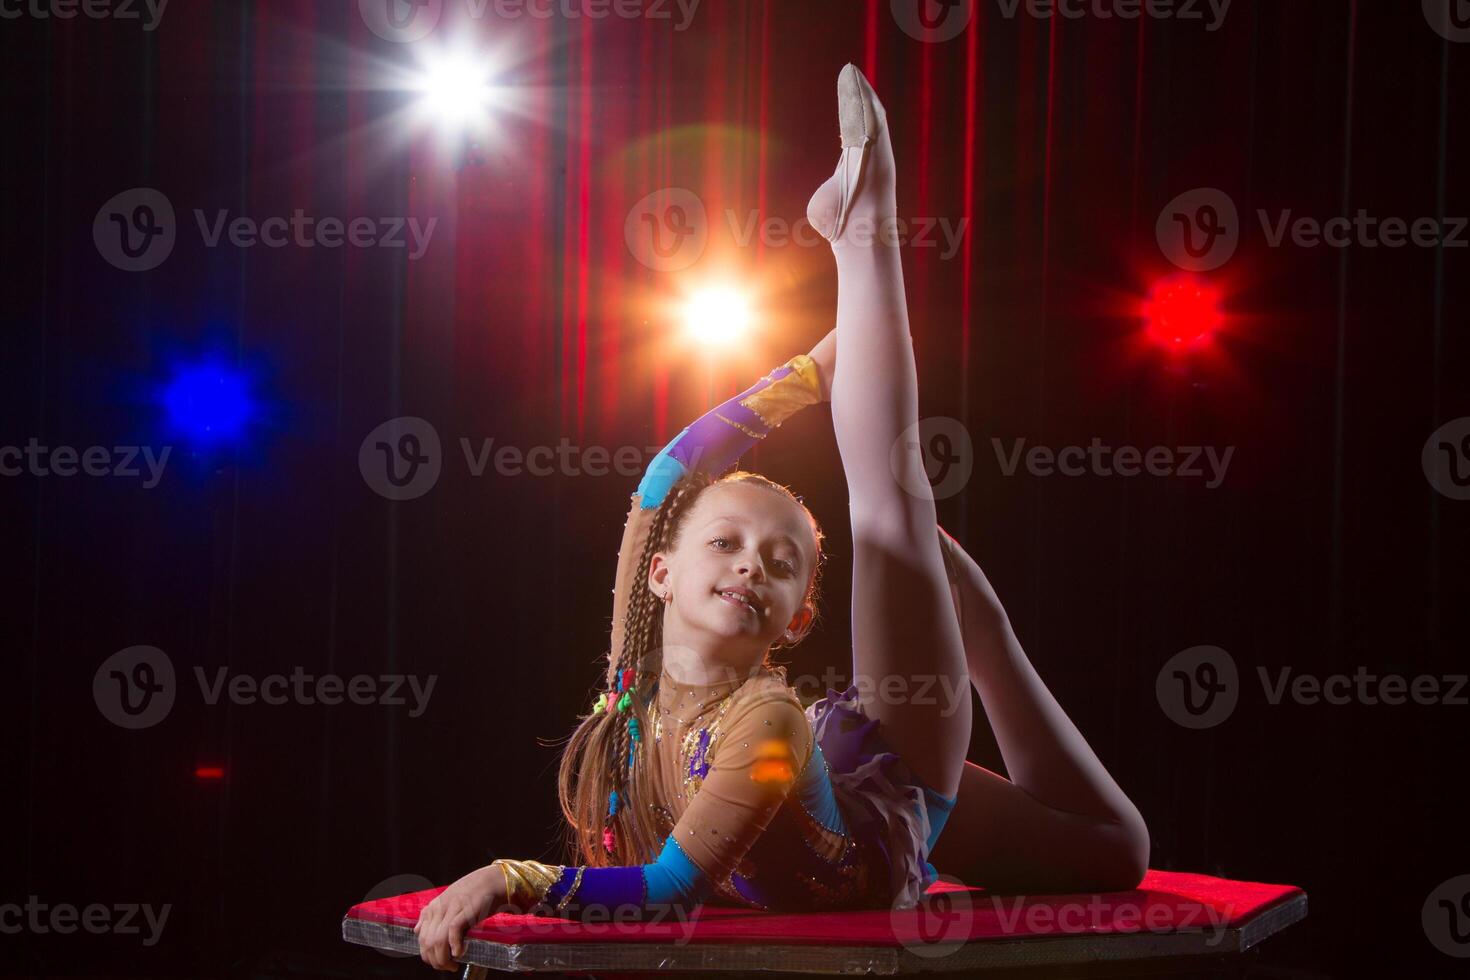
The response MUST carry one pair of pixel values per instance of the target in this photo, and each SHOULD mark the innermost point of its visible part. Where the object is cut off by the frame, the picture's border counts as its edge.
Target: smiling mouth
(736, 599)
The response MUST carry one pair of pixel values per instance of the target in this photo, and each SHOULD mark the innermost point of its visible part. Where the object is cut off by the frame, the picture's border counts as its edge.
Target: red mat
(1170, 914)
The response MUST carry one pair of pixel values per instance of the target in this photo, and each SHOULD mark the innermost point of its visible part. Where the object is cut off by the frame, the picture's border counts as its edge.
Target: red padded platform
(1170, 914)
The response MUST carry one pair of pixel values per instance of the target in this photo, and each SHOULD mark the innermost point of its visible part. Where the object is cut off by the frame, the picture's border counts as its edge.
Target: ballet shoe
(862, 126)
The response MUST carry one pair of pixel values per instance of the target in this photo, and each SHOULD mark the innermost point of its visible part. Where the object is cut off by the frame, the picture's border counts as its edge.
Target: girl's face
(737, 539)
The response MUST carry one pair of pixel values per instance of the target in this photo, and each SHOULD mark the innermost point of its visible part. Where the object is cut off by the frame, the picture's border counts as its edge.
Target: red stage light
(209, 772)
(1183, 313)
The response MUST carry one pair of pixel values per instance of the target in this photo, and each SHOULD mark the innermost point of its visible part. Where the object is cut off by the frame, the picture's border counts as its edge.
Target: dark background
(530, 320)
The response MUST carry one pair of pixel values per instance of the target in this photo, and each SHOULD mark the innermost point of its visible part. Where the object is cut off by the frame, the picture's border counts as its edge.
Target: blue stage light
(208, 402)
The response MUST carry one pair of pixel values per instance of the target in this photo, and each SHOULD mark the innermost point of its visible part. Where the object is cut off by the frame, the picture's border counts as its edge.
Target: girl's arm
(718, 438)
(712, 443)
(752, 768)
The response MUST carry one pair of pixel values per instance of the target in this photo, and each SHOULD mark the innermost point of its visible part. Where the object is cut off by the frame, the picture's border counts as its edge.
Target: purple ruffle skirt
(879, 796)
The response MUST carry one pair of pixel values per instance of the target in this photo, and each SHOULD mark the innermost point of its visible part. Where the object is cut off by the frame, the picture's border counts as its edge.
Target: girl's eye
(785, 563)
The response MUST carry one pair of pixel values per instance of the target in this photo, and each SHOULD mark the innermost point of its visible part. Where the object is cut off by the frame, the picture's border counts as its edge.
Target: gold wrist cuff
(781, 399)
(527, 882)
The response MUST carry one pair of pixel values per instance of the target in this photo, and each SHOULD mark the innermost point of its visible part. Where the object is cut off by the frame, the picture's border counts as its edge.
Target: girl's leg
(904, 633)
(1059, 823)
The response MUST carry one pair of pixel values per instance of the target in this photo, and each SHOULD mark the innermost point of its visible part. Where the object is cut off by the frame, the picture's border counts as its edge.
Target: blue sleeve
(672, 880)
(716, 440)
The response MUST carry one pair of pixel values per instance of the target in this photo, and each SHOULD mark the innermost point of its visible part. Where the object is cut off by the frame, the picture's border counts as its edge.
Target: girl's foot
(860, 197)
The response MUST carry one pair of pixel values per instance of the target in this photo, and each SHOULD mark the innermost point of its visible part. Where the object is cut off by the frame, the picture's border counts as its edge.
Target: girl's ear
(801, 622)
(658, 574)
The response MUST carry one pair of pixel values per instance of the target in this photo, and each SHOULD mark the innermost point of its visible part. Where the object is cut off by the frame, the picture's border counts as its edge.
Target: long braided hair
(604, 783)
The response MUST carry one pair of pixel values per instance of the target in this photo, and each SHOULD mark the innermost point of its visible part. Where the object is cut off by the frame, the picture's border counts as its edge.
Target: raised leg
(904, 634)
(1060, 823)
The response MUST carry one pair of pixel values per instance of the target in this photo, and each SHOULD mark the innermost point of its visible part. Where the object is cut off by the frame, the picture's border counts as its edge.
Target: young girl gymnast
(698, 776)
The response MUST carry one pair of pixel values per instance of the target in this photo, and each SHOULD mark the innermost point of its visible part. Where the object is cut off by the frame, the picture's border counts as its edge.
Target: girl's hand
(457, 909)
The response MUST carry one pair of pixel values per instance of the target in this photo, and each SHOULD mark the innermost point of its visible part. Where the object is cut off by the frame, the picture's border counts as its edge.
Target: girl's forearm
(717, 439)
(580, 891)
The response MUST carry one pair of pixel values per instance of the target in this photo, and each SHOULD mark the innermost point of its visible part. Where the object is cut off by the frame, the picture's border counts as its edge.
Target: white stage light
(717, 316)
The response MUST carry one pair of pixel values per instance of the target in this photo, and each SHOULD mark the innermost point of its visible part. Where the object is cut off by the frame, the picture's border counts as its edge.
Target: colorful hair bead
(601, 704)
(633, 729)
(608, 840)
(612, 802)
(625, 702)
(625, 682)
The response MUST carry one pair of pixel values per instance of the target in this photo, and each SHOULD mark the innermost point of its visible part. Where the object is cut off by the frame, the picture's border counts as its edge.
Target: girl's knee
(1121, 853)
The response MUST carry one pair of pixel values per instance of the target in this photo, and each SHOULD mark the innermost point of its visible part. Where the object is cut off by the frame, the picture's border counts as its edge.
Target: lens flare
(717, 316)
